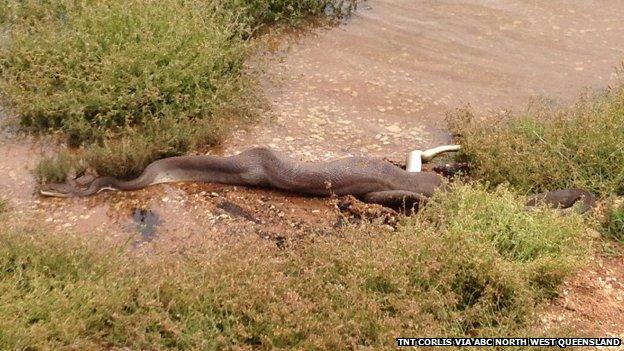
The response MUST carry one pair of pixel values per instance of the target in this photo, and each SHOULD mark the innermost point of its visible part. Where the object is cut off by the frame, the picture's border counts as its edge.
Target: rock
(394, 128)
(570, 306)
(592, 233)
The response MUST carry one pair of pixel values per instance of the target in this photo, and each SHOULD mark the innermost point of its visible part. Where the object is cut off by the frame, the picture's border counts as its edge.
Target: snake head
(56, 190)
(68, 189)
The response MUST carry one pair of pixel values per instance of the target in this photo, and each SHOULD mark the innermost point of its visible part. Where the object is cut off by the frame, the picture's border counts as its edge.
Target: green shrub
(544, 148)
(164, 76)
(129, 153)
(614, 226)
(539, 241)
(91, 67)
(472, 264)
(159, 76)
(56, 168)
(263, 12)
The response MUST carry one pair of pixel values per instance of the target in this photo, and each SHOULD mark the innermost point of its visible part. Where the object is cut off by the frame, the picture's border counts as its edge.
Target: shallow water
(383, 83)
(146, 222)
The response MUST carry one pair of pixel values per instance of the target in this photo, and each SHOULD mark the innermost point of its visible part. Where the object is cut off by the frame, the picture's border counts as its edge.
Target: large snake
(370, 179)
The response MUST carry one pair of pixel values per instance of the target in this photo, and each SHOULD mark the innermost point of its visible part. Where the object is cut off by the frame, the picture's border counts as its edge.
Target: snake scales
(370, 179)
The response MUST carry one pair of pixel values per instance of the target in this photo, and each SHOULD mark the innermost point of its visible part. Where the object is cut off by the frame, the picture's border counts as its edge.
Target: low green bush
(90, 68)
(125, 76)
(548, 148)
(56, 168)
(472, 263)
(614, 226)
(259, 13)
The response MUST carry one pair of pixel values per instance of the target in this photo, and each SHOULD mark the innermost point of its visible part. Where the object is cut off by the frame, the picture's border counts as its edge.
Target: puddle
(146, 222)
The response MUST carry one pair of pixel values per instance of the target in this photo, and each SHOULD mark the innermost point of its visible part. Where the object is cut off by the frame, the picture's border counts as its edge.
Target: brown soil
(592, 301)
(380, 85)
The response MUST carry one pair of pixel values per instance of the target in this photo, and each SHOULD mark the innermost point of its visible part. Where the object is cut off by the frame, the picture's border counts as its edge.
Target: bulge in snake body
(364, 177)
(262, 167)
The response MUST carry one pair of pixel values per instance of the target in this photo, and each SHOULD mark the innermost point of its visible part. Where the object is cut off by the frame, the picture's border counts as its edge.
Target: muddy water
(383, 83)
(379, 85)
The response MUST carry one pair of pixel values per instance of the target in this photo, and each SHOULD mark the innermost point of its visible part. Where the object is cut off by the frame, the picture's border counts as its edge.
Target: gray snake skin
(370, 179)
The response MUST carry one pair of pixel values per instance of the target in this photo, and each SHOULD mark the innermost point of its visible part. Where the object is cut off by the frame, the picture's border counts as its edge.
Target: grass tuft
(4, 205)
(473, 263)
(614, 226)
(546, 148)
(56, 168)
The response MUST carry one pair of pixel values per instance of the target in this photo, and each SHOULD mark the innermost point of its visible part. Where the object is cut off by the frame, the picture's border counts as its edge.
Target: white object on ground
(416, 158)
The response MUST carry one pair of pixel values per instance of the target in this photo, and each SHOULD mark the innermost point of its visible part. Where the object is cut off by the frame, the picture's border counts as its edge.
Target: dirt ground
(379, 85)
(592, 301)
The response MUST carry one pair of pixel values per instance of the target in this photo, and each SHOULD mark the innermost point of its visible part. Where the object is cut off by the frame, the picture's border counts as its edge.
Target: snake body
(565, 198)
(370, 179)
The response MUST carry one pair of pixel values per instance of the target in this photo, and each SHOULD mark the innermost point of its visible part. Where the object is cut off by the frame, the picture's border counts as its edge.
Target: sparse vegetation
(546, 148)
(4, 205)
(133, 81)
(56, 168)
(260, 13)
(614, 226)
(472, 263)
